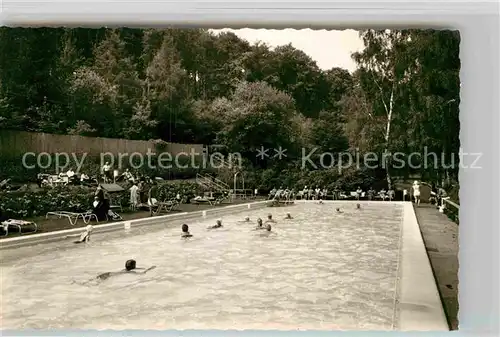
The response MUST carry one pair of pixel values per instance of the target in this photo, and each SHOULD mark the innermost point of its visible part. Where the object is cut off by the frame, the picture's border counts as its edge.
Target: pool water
(321, 270)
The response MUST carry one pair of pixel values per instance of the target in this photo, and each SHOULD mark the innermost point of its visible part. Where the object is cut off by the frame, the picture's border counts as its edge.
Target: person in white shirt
(358, 192)
(382, 194)
(391, 194)
(84, 178)
(134, 196)
(71, 175)
(416, 192)
(106, 170)
(256, 193)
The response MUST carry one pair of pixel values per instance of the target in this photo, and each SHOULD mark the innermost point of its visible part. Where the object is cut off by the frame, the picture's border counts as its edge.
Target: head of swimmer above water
(259, 222)
(270, 216)
(185, 228)
(130, 265)
(338, 210)
(358, 206)
(268, 228)
(218, 223)
(247, 218)
(288, 216)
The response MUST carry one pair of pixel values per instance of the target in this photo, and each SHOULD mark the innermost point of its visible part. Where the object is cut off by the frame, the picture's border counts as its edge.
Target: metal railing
(211, 183)
(451, 209)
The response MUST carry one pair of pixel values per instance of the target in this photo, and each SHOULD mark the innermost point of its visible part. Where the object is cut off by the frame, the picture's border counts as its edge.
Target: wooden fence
(16, 143)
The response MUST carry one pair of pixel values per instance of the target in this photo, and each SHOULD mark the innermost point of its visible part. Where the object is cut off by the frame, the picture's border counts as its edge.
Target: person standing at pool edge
(416, 192)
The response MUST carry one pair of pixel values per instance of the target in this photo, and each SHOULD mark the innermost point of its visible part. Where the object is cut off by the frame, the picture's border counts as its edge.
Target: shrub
(32, 204)
(169, 190)
(77, 199)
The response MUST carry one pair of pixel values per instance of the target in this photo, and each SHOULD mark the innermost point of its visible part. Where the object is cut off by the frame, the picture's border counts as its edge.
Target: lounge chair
(201, 201)
(73, 217)
(221, 198)
(164, 206)
(113, 216)
(20, 224)
(4, 183)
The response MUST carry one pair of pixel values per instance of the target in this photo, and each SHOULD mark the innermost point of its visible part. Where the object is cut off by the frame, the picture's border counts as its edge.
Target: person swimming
(185, 231)
(130, 268)
(246, 220)
(288, 216)
(268, 231)
(259, 224)
(320, 201)
(339, 210)
(85, 237)
(358, 206)
(218, 224)
(270, 218)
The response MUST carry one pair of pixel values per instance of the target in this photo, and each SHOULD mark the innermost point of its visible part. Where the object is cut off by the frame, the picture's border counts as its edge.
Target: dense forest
(194, 86)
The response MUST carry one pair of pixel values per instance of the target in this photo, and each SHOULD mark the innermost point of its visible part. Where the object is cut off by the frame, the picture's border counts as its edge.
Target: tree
(383, 71)
(258, 116)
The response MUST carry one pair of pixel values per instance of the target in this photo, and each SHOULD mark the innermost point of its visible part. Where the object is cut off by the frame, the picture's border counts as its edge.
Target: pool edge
(42, 238)
(419, 304)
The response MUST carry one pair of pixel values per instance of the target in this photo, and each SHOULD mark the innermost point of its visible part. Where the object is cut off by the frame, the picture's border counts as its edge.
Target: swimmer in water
(259, 224)
(130, 268)
(288, 216)
(218, 224)
(268, 231)
(320, 201)
(85, 237)
(270, 218)
(185, 231)
(338, 210)
(247, 219)
(358, 206)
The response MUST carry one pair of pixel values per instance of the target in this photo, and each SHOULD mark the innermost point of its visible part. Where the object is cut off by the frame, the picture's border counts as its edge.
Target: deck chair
(164, 206)
(4, 183)
(20, 224)
(221, 198)
(203, 201)
(113, 216)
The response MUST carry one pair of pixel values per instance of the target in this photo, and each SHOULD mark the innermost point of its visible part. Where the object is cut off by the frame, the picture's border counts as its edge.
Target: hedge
(19, 205)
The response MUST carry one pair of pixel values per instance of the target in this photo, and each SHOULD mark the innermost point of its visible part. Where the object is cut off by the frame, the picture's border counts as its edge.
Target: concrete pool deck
(418, 304)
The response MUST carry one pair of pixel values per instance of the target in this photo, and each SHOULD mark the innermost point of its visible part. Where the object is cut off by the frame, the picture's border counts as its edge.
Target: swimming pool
(322, 270)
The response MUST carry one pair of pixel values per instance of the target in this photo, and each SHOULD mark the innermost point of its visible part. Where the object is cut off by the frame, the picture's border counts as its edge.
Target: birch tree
(382, 74)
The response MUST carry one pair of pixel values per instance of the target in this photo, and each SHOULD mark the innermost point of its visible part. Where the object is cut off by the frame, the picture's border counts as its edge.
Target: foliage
(194, 86)
(77, 199)
(22, 205)
(186, 189)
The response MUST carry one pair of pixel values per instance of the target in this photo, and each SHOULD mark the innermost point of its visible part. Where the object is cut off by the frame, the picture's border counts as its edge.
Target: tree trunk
(387, 137)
